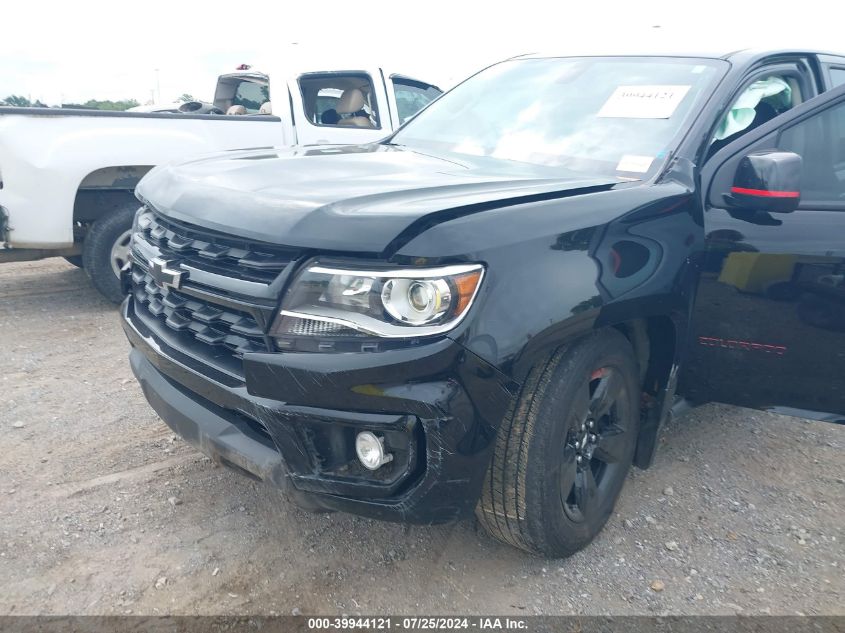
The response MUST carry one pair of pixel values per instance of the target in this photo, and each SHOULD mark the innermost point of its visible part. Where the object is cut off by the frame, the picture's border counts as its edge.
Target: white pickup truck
(67, 176)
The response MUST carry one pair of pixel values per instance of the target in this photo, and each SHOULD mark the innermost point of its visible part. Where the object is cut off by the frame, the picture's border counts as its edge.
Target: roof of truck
(300, 63)
(741, 54)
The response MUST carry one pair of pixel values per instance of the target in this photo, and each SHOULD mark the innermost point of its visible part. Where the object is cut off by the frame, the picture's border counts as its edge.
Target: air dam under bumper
(292, 421)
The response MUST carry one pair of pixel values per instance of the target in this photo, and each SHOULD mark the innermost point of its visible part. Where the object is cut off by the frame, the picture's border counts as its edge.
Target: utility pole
(158, 88)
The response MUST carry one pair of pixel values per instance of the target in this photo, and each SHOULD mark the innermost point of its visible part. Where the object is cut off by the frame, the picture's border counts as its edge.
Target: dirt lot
(104, 511)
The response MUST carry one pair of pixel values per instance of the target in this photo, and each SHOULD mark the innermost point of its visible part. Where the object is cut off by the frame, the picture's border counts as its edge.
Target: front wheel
(106, 250)
(565, 448)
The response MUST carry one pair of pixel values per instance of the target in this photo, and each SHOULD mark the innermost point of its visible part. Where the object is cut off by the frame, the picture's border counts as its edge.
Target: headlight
(390, 303)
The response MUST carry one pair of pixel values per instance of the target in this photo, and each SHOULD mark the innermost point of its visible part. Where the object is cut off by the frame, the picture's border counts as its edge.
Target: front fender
(556, 269)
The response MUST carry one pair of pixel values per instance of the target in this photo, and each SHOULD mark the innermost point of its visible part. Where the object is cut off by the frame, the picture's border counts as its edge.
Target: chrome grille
(207, 322)
(221, 306)
(212, 251)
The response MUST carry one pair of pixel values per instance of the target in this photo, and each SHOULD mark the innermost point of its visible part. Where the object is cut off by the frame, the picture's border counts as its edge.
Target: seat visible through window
(350, 109)
(340, 99)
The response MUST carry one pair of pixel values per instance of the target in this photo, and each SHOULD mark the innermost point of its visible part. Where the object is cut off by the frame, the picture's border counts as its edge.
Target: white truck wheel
(106, 250)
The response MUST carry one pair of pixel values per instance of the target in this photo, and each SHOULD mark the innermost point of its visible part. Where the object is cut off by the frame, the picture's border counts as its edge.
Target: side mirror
(767, 181)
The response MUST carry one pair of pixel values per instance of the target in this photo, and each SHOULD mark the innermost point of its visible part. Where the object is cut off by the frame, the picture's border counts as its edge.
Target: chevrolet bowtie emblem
(166, 273)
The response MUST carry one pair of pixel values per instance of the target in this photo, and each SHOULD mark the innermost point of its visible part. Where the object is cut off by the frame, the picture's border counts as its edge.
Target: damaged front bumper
(293, 419)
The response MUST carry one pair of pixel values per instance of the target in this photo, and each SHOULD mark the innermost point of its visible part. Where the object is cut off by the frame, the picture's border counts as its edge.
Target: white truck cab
(67, 177)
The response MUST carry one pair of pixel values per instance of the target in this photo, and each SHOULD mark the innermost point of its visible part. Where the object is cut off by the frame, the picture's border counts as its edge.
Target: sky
(61, 52)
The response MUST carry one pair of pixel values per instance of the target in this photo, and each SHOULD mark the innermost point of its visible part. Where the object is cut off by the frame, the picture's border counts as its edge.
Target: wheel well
(653, 340)
(116, 177)
(103, 190)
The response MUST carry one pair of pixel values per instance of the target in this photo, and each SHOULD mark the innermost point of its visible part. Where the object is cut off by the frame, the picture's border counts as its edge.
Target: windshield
(600, 116)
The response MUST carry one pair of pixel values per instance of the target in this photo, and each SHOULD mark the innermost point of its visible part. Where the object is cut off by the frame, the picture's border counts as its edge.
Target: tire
(106, 247)
(76, 260)
(523, 502)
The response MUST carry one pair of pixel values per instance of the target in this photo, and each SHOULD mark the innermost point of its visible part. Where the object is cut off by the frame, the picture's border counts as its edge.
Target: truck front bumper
(292, 420)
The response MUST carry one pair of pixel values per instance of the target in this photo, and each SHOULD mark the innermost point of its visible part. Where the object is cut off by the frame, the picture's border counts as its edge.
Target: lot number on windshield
(643, 102)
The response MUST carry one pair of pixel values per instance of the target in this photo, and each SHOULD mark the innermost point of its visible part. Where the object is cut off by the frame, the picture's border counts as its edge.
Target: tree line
(92, 104)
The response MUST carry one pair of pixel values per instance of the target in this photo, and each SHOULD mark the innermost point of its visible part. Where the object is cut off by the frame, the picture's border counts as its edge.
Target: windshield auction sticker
(637, 164)
(643, 102)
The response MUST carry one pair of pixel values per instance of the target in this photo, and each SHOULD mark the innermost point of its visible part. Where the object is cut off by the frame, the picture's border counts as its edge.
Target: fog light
(370, 450)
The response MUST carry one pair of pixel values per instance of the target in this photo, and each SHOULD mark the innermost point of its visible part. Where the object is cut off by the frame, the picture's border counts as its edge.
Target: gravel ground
(104, 511)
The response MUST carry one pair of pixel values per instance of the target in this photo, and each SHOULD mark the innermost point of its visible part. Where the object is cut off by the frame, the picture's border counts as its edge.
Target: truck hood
(369, 198)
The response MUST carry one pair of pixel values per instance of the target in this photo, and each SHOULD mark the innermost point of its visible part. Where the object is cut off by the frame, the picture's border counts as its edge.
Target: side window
(412, 96)
(837, 76)
(327, 99)
(820, 140)
(251, 96)
(339, 99)
(761, 101)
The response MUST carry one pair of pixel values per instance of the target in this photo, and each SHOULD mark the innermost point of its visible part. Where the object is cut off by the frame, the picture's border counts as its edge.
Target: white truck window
(327, 99)
(251, 96)
(412, 96)
(340, 100)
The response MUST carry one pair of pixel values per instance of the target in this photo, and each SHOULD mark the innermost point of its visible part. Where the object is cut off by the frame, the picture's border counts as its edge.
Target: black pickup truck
(495, 308)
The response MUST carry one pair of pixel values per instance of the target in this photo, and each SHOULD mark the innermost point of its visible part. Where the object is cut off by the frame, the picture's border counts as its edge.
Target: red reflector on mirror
(765, 193)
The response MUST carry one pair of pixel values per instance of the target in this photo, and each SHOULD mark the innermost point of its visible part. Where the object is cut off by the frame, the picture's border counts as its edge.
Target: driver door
(768, 322)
